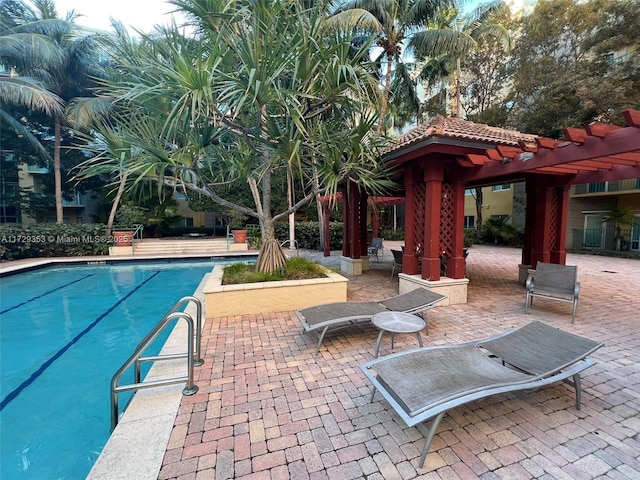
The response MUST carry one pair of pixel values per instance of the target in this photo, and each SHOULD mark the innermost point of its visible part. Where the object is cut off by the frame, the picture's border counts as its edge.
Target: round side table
(397, 322)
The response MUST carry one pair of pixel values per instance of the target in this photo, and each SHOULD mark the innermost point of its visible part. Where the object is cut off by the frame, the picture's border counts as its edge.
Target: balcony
(77, 201)
(36, 169)
(606, 240)
(603, 188)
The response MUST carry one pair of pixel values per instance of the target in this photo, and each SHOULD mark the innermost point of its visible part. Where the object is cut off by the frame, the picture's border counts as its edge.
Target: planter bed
(263, 297)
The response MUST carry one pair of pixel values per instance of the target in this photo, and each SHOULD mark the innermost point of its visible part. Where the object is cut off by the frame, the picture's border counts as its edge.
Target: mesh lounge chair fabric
(553, 282)
(341, 314)
(423, 384)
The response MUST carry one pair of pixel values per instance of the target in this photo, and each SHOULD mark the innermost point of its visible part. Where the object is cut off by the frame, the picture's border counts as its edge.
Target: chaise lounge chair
(342, 314)
(376, 246)
(423, 384)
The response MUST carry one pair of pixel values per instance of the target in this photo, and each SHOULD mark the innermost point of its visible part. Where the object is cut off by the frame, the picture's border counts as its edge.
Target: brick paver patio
(269, 408)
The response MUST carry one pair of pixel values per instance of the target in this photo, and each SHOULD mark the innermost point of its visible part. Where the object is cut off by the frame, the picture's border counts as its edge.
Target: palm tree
(263, 88)
(397, 25)
(62, 72)
(17, 52)
(452, 36)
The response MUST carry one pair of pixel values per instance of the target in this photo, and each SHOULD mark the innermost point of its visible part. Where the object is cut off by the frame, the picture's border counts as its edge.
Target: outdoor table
(397, 322)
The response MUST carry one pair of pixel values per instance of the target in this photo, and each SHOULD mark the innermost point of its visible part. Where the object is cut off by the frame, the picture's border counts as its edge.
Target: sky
(144, 14)
(139, 14)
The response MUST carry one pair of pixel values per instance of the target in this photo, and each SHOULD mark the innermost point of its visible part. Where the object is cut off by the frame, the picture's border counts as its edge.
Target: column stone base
(454, 288)
(523, 273)
(354, 266)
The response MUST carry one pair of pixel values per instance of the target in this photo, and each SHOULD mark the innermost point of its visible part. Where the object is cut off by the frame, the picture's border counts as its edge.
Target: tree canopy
(263, 87)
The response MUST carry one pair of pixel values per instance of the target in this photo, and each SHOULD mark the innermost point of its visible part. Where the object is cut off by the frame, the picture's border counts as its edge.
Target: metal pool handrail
(192, 356)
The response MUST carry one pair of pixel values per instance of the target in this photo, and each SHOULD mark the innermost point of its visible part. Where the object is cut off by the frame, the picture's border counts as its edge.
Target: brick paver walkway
(269, 408)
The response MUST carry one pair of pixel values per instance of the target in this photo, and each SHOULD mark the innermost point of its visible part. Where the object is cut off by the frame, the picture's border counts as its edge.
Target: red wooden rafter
(597, 148)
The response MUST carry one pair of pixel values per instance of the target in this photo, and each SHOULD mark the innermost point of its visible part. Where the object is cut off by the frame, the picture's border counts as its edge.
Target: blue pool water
(64, 331)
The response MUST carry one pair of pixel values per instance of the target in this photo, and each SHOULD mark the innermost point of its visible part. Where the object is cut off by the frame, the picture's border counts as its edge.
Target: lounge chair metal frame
(339, 315)
(553, 282)
(507, 371)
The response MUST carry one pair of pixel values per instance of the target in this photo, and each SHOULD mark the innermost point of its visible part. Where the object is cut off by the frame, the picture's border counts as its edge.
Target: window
(8, 214)
(469, 222)
(594, 231)
(499, 188)
(187, 221)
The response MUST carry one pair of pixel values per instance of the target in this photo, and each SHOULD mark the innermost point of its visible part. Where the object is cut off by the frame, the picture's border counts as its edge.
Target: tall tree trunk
(478, 209)
(271, 257)
(292, 216)
(321, 221)
(385, 96)
(458, 94)
(319, 207)
(116, 202)
(57, 176)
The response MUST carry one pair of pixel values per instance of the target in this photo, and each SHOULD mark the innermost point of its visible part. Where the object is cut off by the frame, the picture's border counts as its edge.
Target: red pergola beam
(507, 151)
(476, 159)
(630, 158)
(597, 129)
(619, 142)
(577, 135)
(544, 142)
(562, 170)
(632, 117)
(619, 173)
(591, 165)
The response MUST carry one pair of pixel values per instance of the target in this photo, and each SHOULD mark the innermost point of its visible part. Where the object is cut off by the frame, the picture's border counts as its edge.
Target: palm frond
(434, 43)
(31, 93)
(19, 49)
(23, 130)
(86, 112)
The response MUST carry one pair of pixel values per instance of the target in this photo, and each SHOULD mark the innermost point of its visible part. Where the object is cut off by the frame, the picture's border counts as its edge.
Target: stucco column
(346, 219)
(327, 229)
(558, 247)
(541, 250)
(529, 224)
(409, 258)
(433, 177)
(362, 223)
(353, 240)
(375, 221)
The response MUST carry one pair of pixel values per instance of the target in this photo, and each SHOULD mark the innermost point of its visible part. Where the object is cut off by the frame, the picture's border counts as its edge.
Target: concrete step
(185, 246)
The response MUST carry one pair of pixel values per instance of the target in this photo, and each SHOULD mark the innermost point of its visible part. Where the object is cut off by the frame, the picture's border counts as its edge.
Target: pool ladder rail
(193, 356)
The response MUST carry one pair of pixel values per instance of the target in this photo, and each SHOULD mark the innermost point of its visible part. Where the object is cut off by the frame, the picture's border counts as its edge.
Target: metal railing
(612, 186)
(193, 357)
(292, 245)
(606, 239)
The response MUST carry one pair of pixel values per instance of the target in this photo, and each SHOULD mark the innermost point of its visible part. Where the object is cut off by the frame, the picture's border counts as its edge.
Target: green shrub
(51, 240)
(470, 237)
(308, 236)
(499, 231)
(296, 268)
(389, 234)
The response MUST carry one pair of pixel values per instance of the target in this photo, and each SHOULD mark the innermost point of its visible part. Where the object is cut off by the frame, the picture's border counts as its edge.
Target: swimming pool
(64, 331)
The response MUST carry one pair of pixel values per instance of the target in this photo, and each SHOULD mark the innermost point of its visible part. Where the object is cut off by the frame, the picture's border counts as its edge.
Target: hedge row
(308, 236)
(51, 240)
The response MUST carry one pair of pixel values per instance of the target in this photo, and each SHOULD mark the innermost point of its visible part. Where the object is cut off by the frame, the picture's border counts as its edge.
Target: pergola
(436, 162)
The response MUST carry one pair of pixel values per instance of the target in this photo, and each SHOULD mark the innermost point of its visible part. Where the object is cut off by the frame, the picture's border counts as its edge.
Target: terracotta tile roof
(456, 128)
